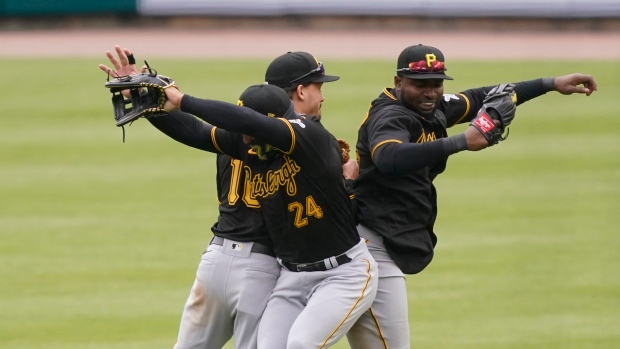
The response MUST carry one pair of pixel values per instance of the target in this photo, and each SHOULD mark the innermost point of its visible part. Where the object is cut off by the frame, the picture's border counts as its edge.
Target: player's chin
(426, 108)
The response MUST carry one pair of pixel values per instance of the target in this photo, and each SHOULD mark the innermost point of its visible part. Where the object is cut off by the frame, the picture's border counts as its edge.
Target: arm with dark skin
(402, 158)
(525, 90)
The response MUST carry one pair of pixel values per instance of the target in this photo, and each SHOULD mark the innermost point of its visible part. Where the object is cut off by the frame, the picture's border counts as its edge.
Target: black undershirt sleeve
(527, 90)
(243, 120)
(402, 158)
(185, 128)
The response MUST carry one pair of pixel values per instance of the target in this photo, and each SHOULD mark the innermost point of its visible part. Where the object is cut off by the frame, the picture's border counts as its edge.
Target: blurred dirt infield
(341, 43)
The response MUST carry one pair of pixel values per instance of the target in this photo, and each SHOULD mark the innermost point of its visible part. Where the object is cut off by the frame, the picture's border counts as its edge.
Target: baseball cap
(295, 68)
(422, 62)
(268, 100)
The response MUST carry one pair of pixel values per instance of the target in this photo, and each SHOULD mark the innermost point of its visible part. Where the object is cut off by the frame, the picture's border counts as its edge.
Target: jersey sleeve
(391, 127)
(191, 131)
(462, 107)
(240, 119)
(399, 144)
(312, 145)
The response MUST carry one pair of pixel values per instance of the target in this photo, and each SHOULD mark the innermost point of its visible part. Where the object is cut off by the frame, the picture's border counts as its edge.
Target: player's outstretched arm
(575, 83)
(475, 138)
(230, 117)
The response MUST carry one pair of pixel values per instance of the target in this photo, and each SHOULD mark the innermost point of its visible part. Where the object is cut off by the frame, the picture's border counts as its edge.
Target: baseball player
(402, 147)
(328, 278)
(289, 71)
(238, 271)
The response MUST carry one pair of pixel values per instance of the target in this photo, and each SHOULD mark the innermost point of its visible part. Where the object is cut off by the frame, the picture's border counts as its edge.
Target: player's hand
(475, 139)
(123, 66)
(350, 169)
(173, 98)
(575, 83)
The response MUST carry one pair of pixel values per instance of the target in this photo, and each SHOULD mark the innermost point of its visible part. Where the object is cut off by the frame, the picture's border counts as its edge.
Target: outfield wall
(253, 8)
(444, 8)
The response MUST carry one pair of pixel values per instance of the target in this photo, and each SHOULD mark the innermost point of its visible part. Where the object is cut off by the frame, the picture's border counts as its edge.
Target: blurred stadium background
(447, 14)
(100, 239)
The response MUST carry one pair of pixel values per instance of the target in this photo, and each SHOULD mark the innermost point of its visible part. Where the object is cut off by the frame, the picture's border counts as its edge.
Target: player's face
(422, 95)
(309, 99)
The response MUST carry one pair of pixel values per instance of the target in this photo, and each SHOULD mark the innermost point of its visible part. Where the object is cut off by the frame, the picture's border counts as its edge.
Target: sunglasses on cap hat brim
(317, 74)
(422, 70)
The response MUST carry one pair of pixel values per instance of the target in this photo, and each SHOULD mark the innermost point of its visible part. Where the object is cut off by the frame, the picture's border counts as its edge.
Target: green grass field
(101, 239)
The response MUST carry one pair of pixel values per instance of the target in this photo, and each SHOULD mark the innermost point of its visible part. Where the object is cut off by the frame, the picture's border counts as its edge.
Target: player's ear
(397, 80)
(299, 92)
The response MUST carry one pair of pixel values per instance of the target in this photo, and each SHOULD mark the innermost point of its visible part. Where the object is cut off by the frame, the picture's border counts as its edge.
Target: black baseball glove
(499, 104)
(146, 95)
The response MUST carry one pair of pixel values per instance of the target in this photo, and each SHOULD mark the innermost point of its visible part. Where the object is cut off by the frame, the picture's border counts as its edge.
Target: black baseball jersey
(298, 185)
(238, 220)
(401, 205)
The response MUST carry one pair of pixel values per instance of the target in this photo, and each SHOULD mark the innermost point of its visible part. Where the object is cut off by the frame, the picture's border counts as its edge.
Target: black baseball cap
(422, 62)
(296, 68)
(268, 100)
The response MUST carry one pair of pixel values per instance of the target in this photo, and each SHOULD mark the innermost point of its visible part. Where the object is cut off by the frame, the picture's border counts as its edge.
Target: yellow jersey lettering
(424, 137)
(235, 175)
(273, 180)
(300, 220)
(248, 191)
(312, 209)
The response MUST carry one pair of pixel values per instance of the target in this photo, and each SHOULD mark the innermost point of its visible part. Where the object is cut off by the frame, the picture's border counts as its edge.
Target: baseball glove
(501, 104)
(146, 95)
(344, 149)
(484, 123)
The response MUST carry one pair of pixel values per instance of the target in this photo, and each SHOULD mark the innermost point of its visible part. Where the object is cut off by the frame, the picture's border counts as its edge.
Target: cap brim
(326, 78)
(427, 76)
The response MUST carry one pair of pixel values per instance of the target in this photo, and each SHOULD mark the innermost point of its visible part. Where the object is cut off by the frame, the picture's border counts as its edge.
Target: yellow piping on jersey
(288, 124)
(214, 140)
(466, 109)
(387, 93)
(354, 305)
(372, 154)
(366, 117)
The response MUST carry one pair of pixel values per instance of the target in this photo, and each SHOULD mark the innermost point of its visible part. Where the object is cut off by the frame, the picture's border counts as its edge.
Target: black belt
(326, 264)
(256, 247)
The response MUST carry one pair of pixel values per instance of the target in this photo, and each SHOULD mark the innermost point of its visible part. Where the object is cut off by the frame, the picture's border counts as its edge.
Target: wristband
(548, 84)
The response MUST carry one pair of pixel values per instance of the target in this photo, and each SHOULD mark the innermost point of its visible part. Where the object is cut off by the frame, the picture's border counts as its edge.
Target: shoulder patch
(449, 96)
(298, 122)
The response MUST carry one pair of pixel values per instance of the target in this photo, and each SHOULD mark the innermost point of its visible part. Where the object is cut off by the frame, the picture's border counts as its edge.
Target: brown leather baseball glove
(344, 149)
